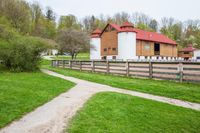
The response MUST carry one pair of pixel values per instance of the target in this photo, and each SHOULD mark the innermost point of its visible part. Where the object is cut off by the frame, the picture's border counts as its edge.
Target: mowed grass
(183, 91)
(21, 93)
(80, 56)
(119, 113)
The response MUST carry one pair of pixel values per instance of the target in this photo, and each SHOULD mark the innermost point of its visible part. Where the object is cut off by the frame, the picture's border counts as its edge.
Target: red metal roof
(96, 33)
(127, 27)
(141, 34)
(127, 24)
(117, 27)
(154, 37)
(190, 48)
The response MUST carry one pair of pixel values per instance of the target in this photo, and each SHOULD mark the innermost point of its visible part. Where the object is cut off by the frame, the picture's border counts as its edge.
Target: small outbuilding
(189, 53)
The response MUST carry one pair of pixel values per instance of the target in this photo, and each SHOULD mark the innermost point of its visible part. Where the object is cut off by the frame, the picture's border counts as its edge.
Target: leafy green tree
(17, 11)
(67, 22)
(20, 53)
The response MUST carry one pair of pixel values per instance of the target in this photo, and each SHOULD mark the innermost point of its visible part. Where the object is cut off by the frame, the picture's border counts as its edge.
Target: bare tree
(120, 18)
(73, 42)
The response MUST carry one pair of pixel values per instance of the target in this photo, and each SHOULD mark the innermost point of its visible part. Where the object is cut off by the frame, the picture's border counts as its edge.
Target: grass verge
(20, 93)
(80, 56)
(119, 113)
(183, 91)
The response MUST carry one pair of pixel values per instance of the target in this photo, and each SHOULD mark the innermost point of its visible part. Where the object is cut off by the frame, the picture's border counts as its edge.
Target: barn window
(105, 49)
(103, 57)
(114, 49)
(147, 46)
(186, 52)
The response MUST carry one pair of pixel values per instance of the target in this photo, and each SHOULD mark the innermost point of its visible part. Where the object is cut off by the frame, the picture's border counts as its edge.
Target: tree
(153, 25)
(50, 15)
(36, 16)
(172, 28)
(67, 22)
(144, 22)
(17, 11)
(20, 53)
(73, 42)
(120, 18)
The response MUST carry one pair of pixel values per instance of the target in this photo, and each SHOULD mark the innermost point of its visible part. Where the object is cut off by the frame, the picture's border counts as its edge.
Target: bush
(21, 53)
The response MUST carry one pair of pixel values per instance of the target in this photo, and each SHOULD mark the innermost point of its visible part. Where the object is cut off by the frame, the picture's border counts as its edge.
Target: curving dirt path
(54, 115)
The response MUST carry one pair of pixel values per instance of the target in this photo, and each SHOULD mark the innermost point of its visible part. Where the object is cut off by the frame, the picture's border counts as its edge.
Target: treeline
(29, 19)
(22, 33)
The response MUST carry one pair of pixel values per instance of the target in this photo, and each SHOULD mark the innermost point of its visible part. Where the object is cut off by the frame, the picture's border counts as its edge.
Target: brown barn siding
(142, 51)
(168, 50)
(183, 55)
(109, 40)
(165, 49)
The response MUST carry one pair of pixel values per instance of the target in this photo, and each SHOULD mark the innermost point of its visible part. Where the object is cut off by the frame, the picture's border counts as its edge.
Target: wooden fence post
(108, 67)
(70, 64)
(127, 68)
(52, 63)
(150, 70)
(80, 65)
(180, 69)
(92, 65)
(57, 63)
(63, 63)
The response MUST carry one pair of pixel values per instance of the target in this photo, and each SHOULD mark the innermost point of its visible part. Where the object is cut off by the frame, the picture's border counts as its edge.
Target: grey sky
(179, 9)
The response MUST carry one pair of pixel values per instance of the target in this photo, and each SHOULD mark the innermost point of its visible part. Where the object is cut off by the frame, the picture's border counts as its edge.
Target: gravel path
(54, 115)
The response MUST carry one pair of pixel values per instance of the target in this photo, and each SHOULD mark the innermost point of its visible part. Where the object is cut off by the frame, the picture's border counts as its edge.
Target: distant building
(128, 43)
(189, 53)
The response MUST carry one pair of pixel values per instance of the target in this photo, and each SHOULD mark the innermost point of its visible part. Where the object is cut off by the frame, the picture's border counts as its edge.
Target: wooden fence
(178, 71)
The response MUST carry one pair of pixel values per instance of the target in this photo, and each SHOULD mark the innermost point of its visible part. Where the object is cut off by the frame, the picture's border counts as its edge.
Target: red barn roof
(190, 48)
(154, 37)
(96, 33)
(127, 27)
(140, 34)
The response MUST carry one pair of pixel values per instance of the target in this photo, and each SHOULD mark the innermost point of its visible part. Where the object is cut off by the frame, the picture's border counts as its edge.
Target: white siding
(127, 46)
(196, 54)
(95, 52)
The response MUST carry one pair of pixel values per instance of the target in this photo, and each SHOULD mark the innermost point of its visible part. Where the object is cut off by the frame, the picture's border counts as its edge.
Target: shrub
(20, 53)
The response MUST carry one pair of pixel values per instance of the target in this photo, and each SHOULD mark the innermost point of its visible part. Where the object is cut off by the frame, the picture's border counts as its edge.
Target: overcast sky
(179, 9)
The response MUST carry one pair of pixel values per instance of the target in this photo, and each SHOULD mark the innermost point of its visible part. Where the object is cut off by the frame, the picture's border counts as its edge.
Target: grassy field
(80, 56)
(119, 113)
(183, 91)
(20, 93)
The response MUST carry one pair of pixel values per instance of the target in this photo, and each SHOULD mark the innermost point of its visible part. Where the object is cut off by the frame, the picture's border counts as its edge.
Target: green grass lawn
(80, 56)
(20, 93)
(183, 91)
(119, 113)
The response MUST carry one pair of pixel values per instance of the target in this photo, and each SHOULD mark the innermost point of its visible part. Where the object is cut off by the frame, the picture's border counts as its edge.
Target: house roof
(190, 48)
(141, 34)
(96, 33)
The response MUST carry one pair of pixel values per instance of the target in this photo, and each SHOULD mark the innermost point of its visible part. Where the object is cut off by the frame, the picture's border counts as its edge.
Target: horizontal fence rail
(178, 71)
